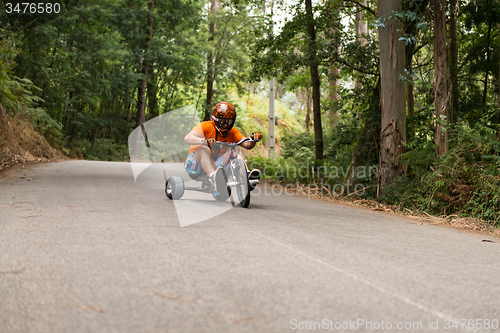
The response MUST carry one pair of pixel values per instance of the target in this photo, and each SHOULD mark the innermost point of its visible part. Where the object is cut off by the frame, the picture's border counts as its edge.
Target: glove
(209, 142)
(256, 136)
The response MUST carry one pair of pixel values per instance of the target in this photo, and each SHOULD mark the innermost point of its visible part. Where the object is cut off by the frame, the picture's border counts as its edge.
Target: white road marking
(360, 279)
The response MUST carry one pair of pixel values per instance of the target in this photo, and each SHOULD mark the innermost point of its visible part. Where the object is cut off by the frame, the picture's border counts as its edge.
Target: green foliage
(338, 146)
(479, 46)
(16, 94)
(103, 151)
(299, 147)
(281, 169)
(464, 181)
(88, 60)
(283, 54)
(297, 163)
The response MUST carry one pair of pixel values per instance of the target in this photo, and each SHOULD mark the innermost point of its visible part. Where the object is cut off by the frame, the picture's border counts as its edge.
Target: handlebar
(230, 144)
(233, 144)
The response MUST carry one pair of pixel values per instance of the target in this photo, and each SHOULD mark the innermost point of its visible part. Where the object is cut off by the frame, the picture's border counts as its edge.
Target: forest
(396, 101)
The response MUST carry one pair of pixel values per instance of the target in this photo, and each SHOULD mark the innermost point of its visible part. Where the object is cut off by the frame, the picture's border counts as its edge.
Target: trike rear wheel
(174, 188)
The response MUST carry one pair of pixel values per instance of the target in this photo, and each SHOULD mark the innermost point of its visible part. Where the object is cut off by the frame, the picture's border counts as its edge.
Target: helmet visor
(226, 122)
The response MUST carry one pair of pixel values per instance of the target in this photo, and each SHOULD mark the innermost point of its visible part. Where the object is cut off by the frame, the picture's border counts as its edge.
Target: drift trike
(237, 177)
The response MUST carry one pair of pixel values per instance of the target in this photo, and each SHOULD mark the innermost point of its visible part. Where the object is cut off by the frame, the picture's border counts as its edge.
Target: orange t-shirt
(207, 129)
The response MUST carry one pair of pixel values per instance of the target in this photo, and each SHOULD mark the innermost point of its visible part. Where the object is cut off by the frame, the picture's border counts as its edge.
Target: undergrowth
(464, 182)
(102, 151)
(17, 94)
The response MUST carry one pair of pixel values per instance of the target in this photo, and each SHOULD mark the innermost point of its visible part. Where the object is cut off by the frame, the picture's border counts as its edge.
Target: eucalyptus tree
(442, 88)
(392, 95)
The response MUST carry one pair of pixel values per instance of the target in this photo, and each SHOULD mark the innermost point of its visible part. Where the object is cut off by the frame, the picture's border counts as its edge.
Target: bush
(103, 151)
(16, 94)
(465, 181)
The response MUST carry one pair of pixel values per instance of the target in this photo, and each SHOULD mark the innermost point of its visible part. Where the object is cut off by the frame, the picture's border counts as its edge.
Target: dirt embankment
(21, 143)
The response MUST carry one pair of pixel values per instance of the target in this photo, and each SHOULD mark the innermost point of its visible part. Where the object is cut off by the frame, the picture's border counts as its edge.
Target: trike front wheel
(242, 188)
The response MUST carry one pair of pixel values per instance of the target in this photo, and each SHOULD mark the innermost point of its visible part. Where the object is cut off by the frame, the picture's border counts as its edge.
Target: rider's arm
(193, 138)
(248, 144)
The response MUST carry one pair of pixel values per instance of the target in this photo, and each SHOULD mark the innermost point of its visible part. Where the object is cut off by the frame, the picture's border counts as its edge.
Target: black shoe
(253, 178)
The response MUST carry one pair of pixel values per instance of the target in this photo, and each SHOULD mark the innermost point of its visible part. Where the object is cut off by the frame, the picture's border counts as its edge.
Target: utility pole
(272, 138)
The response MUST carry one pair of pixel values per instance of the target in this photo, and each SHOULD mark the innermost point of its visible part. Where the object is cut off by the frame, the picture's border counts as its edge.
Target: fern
(17, 94)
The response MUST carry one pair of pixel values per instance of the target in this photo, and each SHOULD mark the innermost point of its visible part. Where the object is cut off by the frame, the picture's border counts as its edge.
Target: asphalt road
(84, 249)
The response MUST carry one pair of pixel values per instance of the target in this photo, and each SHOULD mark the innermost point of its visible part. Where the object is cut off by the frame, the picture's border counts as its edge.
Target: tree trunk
(356, 159)
(334, 82)
(410, 29)
(210, 66)
(72, 128)
(361, 26)
(487, 60)
(392, 94)
(116, 123)
(66, 113)
(419, 8)
(361, 30)
(410, 97)
(152, 92)
(454, 7)
(308, 108)
(334, 95)
(103, 138)
(97, 126)
(141, 105)
(315, 80)
(442, 89)
(124, 129)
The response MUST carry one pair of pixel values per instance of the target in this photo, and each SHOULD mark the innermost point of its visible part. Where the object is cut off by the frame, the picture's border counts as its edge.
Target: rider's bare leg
(204, 157)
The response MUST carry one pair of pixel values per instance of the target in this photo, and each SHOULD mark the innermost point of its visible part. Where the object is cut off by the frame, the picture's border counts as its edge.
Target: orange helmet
(224, 115)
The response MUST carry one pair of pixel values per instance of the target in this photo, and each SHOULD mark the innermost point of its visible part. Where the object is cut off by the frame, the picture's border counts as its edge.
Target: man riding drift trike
(212, 158)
